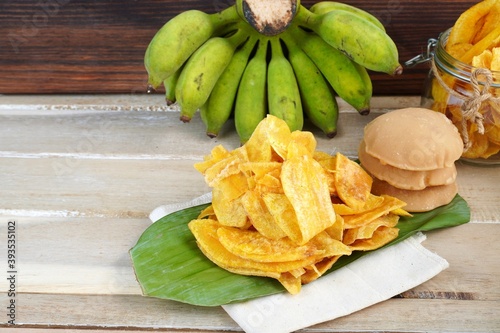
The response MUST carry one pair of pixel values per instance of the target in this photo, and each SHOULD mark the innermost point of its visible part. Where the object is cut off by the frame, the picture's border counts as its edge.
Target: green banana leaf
(169, 265)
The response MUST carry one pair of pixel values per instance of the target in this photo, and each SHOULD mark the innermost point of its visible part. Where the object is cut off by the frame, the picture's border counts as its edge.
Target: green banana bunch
(318, 99)
(248, 60)
(284, 99)
(360, 39)
(219, 106)
(251, 100)
(174, 43)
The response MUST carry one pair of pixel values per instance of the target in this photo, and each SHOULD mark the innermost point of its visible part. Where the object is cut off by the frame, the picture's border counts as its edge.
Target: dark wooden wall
(97, 46)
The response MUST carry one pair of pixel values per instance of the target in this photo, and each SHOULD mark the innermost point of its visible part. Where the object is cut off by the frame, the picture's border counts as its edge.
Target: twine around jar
(471, 106)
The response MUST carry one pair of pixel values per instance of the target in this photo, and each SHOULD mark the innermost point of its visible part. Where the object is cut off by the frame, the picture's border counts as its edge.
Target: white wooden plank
(132, 312)
(138, 135)
(90, 187)
(480, 187)
(468, 249)
(49, 103)
(129, 127)
(43, 104)
(75, 255)
(117, 311)
(132, 188)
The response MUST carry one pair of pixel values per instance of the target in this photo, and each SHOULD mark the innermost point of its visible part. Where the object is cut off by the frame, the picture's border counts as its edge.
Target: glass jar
(469, 97)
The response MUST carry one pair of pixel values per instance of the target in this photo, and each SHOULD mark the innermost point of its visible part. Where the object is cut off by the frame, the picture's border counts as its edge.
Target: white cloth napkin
(371, 279)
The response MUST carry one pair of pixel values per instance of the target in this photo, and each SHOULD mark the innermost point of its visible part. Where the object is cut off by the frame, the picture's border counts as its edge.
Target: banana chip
(353, 183)
(254, 246)
(474, 23)
(306, 186)
(283, 210)
(260, 216)
(364, 218)
(367, 231)
(483, 60)
(495, 59)
(382, 235)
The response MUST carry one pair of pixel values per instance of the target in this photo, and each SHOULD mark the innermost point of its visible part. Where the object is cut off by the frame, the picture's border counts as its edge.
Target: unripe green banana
(283, 93)
(358, 38)
(318, 100)
(349, 80)
(169, 84)
(174, 43)
(251, 100)
(202, 71)
(324, 7)
(219, 106)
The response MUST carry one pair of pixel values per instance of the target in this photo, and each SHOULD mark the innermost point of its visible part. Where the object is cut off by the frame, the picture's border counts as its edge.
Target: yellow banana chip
(479, 143)
(489, 21)
(217, 154)
(490, 41)
(229, 212)
(380, 237)
(260, 169)
(471, 22)
(318, 269)
(352, 182)
(492, 128)
(389, 204)
(291, 282)
(483, 60)
(284, 215)
(371, 202)
(205, 232)
(331, 246)
(260, 216)
(336, 230)
(253, 245)
(367, 231)
(458, 50)
(207, 213)
(304, 183)
(495, 59)
(301, 143)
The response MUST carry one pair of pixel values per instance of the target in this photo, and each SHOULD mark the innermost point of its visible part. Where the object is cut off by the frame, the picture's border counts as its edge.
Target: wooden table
(80, 174)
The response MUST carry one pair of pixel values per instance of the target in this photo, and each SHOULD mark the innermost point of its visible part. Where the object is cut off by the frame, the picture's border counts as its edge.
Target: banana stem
(224, 17)
(262, 49)
(306, 17)
(248, 45)
(239, 37)
(295, 32)
(276, 48)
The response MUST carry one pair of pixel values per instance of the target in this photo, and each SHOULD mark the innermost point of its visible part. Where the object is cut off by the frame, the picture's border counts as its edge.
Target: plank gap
(451, 295)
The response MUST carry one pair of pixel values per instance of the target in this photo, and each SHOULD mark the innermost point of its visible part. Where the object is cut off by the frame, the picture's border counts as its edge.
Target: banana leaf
(169, 265)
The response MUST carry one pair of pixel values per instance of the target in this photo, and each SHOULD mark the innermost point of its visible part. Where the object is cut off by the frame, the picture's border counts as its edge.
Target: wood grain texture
(76, 46)
(80, 175)
(128, 312)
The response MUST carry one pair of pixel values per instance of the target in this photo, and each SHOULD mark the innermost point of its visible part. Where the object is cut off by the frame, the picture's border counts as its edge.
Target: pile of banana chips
(283, 210)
